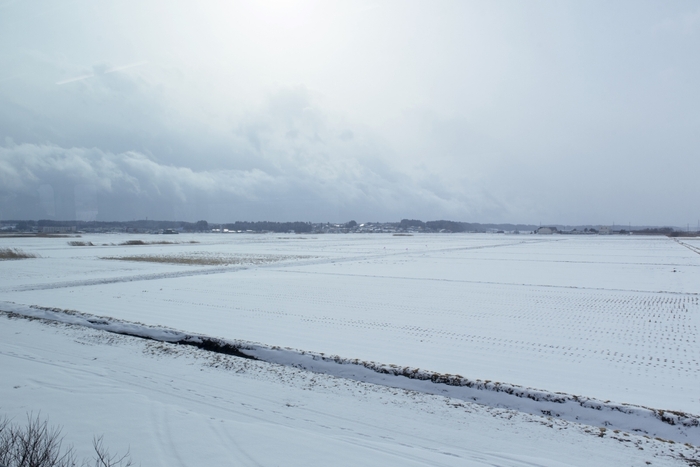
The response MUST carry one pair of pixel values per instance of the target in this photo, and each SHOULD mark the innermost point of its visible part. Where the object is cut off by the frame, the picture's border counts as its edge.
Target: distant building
(604, 230)
(546, 230)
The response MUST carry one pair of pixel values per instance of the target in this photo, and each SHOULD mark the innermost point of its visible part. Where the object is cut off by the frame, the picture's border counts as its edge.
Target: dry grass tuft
(130, 243)
(15, 253)
(133, 242)
(207, 260)
(162, 242)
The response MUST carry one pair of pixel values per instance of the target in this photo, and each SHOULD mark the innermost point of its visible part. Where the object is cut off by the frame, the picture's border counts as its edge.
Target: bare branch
(37, 444)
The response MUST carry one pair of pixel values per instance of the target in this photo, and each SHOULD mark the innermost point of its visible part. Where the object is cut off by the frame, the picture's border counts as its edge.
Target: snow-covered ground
(609, 318)
(175, 406)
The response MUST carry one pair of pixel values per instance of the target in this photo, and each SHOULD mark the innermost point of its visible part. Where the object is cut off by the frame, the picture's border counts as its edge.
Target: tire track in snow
(690, 247)
(161, 428)
(464, 281)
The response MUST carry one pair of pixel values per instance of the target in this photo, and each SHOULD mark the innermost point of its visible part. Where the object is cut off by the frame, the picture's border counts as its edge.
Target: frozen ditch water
(676, 426)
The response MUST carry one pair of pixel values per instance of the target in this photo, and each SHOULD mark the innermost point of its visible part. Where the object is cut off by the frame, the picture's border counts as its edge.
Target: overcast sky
(486, 111)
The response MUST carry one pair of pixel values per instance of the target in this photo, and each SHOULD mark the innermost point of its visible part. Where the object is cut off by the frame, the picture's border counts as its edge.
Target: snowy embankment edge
(662, 424)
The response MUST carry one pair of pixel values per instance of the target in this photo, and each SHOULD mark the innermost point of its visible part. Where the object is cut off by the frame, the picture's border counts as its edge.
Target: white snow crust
(676, 426)
(599, 330)
(173, 405)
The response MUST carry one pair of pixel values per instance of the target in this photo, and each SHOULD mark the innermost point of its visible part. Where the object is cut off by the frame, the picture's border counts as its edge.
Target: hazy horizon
(562, 113)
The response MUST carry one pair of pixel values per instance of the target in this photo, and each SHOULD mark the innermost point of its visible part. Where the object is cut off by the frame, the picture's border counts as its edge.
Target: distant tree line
(655, 231)
(138, 224)
(452, 226)
(265, 226)
(449, 225)
(199, 226)
(304, 227)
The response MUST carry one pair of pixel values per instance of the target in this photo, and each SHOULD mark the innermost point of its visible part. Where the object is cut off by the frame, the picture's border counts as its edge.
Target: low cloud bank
(49, 181)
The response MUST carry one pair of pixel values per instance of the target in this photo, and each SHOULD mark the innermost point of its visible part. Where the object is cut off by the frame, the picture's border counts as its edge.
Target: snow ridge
(669, 425)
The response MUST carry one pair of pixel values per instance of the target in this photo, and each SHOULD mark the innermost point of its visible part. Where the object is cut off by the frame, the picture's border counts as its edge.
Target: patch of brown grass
(15, 253)
(162, 242)
(207, 260)
(54, 235)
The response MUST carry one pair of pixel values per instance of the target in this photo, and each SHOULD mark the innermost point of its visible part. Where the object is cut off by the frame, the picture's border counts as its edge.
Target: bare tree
(104, 459)
(37, 444)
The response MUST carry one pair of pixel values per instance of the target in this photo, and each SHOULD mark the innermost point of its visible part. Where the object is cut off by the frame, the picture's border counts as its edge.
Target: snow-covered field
(606, 319)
